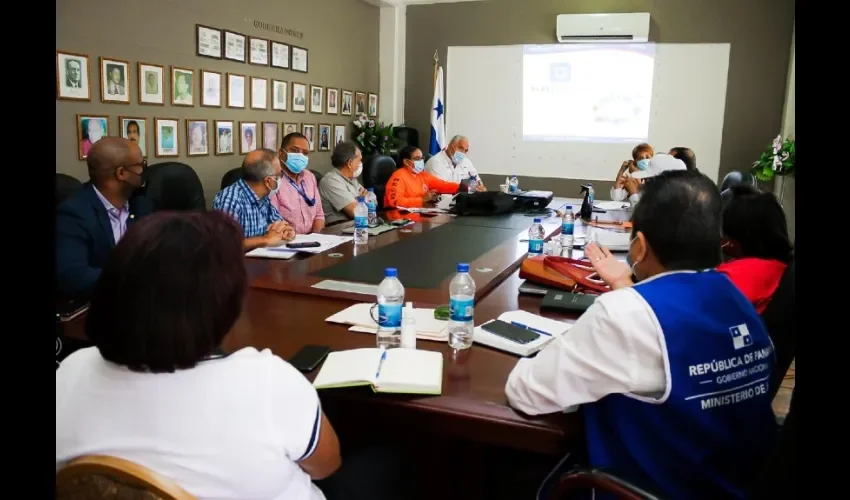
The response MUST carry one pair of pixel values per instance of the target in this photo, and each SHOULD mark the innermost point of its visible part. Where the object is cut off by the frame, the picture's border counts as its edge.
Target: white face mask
(359, 170)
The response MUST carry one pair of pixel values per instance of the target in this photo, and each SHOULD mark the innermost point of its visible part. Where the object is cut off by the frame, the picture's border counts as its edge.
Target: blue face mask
(458, 157)
(296, 162)
(419, 166)
(643, 164)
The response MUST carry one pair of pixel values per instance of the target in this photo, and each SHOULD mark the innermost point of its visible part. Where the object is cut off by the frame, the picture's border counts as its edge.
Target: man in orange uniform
(410, 186)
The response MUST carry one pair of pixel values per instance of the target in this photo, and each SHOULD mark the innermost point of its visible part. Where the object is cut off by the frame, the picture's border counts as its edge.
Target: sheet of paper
(424, 210)
(612, 205)
(615, 241)
(359, 315)
(411, 371)
(348, 287)
(347, 367)
(326, 241)
(420, 335)
(272, 253)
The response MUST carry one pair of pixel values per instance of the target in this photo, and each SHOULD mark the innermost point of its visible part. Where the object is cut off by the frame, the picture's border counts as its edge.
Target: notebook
(400, 371)
(539, 323)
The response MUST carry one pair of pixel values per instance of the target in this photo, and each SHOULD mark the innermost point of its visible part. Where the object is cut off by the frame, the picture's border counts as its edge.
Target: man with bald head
(453, 164)
(91, 221)
(247, 201)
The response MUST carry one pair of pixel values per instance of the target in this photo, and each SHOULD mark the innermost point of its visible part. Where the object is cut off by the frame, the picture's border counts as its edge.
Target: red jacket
(756, 278)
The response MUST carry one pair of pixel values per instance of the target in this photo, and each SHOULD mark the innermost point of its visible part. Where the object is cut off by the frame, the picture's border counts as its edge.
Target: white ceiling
(391, 3)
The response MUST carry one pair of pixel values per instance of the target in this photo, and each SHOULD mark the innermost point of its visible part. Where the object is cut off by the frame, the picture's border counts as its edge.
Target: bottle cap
(409, 305)
(360, 199)
(569, 207)
(537, 220)
(371, 190)
(390, 272)
(462, 268)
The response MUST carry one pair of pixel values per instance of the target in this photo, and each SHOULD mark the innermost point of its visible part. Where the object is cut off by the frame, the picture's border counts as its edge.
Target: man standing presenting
(247, 200)
(452, 165)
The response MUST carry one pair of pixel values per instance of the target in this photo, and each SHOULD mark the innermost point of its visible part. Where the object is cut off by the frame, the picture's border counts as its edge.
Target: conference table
(284, 311)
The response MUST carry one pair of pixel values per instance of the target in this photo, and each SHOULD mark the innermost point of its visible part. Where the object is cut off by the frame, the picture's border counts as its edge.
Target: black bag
(484, 203)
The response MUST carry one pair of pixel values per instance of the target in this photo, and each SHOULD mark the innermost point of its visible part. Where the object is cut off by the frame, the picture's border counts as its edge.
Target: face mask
(458, 157)
(629, 258)
(359, 170)
(419, 166)
(643, 164)
(296, 162)
(276, 186)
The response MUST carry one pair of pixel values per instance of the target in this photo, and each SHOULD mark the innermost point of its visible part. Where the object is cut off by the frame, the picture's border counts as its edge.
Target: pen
(381, 363)
(535, 330)
(280, 249)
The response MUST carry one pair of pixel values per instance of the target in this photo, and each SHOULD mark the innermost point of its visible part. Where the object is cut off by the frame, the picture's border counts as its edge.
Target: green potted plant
(373, 138)
(776, 162)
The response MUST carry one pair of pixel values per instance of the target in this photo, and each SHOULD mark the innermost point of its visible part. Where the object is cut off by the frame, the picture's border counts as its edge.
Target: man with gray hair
(247, 200)
(453, 164)
(339, 188)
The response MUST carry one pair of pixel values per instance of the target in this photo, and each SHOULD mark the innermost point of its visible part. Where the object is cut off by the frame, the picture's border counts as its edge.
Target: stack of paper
(326, 242)
(359, 317)
(555, 328)
(613, 240)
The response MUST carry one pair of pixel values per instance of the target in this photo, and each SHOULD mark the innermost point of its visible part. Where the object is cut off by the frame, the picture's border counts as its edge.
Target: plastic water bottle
(361, 222)
(536, 235)
(514, 184)
(472, 185)
(372, 205)
(567, 228)
(591, 195)
(390, 302)
(461, 306)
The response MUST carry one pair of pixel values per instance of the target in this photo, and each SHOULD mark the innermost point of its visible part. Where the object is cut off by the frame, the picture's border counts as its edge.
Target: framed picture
(339, 134)
(317, 96)
(259, 93)
(299, 59)
(299, 97)
(72, 76)
(208, 41)
(373, 105)
(210, 89)
(114, 80)
(270, 138)
(196, 138)
(279, 95)
(235, 91)
(309, 132)
(289, 128)
(259, 54)
(90, 129)
(360, 103)
(280, 55)
(223, 137)
(234, 46)
(135, 129)
(166, 137)
(247, 137)
(333, 102)
(324, 137)
(182, 91)
(347, 104)
(151, 82)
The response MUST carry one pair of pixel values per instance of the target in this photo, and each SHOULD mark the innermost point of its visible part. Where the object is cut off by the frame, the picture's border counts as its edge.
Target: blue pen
(381, 363)
(535, 330)
(280, 249)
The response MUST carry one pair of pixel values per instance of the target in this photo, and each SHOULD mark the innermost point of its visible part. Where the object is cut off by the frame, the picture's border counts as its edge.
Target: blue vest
(711, 435)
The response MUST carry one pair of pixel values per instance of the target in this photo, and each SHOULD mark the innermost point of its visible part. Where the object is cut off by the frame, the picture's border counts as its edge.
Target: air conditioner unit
(603, 28)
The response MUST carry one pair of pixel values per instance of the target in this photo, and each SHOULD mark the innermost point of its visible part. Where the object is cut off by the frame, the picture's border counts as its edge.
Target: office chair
(377, 170)
(174, 186)
(100, 476)
(231, 176)
(318, 175)
(65, 187)
(736, 177)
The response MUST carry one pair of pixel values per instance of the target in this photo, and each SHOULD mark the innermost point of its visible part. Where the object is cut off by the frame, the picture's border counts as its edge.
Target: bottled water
(591, 195)
(567, 228)
(462, 306)
(390, 301)
(361, 222)
(536, 235)
(514, 184)
(372, 205)
(472, 185)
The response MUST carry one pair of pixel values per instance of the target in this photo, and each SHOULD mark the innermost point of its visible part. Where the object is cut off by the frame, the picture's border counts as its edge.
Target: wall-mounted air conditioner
(603, 28)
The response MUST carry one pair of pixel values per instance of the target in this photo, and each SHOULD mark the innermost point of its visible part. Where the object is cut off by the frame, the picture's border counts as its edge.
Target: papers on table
(612, 205)
(613, 240)
(424, 210)
(359, 317)
(326, 242)
(527, 319)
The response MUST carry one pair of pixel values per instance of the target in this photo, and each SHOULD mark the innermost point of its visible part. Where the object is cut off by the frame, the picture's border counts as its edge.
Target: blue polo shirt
(253, 214)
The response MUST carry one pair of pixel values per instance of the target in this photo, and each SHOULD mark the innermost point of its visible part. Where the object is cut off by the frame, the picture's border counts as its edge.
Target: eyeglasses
(143, 164)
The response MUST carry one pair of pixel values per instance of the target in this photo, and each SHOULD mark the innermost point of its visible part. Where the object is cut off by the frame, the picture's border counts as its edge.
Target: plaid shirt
(253, 214)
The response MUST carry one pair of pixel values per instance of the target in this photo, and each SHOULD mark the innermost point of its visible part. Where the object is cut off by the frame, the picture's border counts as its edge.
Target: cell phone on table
(303, 244)
(309, 357)
(511, 332)
(400, 222)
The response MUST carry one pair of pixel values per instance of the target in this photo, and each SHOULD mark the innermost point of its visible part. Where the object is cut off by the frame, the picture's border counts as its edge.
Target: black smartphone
(305, 244)
(309, 357)
(400, 222)
(511, 332)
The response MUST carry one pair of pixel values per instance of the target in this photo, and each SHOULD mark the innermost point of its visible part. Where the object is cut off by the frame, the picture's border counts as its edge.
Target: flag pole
(436, 63)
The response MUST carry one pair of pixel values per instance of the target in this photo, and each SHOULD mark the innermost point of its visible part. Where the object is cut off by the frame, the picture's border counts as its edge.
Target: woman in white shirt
(158, 392)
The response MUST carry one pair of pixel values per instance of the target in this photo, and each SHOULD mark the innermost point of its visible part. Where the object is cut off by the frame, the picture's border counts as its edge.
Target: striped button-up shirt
(253, 214)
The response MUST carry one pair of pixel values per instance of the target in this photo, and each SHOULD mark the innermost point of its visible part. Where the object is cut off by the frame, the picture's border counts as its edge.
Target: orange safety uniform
(406, 189)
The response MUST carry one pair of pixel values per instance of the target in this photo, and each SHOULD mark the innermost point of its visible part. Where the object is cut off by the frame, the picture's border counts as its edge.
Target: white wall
(789, 199)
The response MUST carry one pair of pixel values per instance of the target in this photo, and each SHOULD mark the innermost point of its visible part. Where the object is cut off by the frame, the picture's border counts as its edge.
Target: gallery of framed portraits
(211, 84)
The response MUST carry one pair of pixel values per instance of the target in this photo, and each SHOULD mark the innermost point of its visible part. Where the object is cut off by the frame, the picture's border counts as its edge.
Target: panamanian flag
(438, 117)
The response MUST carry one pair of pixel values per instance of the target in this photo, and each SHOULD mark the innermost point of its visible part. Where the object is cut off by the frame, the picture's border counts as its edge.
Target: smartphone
(305, 244)
(309, 357)
(511, 332)
(400, 222)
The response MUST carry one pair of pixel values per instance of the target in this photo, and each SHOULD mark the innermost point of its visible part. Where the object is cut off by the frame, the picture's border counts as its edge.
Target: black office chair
(780, 320)
(318, 175)
(376, 172)
(231, 176)
(65, 187)
(736, 177)
(174, 186)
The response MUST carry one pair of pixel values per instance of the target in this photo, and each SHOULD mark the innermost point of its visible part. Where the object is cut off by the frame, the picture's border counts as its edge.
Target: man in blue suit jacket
(92, 220)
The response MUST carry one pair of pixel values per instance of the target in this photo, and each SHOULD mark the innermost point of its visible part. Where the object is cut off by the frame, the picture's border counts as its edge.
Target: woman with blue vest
(671, 373)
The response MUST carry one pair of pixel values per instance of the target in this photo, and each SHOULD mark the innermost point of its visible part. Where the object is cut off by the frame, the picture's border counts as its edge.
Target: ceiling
(391, 3)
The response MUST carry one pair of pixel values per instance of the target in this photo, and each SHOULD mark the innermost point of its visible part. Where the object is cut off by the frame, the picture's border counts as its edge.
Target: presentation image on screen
(587, 92)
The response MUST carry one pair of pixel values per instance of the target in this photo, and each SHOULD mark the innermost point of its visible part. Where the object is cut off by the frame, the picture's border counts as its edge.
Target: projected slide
(587, 92)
